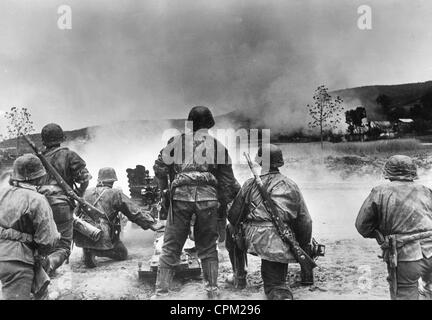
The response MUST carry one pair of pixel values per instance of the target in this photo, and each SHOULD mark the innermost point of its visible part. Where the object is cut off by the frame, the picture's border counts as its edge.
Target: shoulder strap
(51, 152)
(99, 197)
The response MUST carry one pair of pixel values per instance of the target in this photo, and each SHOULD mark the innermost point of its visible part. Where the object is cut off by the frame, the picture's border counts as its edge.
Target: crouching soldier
(27, 228)
(249, 216)
(399, 215)
(112, 202)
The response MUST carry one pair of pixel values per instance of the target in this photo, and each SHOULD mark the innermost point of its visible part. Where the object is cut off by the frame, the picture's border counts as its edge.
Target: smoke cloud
(155, 59)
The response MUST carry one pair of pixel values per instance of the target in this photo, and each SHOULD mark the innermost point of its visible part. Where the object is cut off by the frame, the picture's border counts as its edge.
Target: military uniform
(261, 236)
(401, 207)
(112, 202)
(72, 168)
(198, 189)
(26, 228)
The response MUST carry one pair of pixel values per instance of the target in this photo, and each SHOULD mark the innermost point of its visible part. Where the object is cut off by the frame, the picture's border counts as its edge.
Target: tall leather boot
(55, 259)
(238, 278)
(210, 274)
(163, 282)
(89, 258)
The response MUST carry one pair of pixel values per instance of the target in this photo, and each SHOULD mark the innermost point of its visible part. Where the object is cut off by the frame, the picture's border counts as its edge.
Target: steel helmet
(27, 167)
(52, 134)
(201, 117)
(276, 158)
(107, 174)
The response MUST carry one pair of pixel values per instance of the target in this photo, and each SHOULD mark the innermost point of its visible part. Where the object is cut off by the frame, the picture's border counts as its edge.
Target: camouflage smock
(192, 181)
(24, 210)
(112, 202)
(262, 238)
(399, 207)
(70, 166)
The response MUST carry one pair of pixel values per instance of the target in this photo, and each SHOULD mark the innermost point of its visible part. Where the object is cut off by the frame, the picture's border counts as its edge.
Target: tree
(19, 124)
(384, 101)
(325, 111)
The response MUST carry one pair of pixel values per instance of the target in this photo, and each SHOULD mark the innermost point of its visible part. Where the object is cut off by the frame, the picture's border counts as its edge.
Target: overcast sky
(126, 59)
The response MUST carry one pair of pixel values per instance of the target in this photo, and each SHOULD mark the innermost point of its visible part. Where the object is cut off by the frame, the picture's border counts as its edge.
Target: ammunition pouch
(194, 178)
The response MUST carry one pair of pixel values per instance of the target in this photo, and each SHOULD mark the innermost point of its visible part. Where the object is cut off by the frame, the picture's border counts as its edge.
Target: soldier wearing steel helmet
(198, 189)
(260, 234)
(73, 170)
(399, 215)
(27, 228)
(112, 202)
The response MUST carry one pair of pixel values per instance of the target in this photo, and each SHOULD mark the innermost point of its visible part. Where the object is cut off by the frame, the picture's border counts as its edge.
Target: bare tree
(325, 111)
(20, 123)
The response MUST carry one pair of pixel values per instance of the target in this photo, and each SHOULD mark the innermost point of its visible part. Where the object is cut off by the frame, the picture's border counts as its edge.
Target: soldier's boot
(307, 277)
(118, 253)
(89, 258)
(281, 294)
(163, 283)
(55, 259)
(210, 274)
(238, 278)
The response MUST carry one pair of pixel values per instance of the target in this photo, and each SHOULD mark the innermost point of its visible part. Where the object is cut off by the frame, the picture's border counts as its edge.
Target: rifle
(389, 246)
(170, 210)
(41, 280)
(286, 234)
(89, 209)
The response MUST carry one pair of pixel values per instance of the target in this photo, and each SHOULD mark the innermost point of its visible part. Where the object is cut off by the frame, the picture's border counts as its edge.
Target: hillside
(402, 95)
(234, 118)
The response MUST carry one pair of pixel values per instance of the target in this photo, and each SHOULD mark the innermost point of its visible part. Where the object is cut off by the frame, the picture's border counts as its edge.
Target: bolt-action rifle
(86, 207)
(284, 231)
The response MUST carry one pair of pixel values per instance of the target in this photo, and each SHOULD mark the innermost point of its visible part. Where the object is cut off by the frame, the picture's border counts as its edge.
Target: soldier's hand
(157, 226)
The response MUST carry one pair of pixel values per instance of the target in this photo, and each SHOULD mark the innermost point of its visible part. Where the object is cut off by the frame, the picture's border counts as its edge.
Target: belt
(402, 239)
(260, 224)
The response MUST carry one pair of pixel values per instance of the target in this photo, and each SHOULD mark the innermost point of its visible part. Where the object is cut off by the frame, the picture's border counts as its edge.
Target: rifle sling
(272, 214)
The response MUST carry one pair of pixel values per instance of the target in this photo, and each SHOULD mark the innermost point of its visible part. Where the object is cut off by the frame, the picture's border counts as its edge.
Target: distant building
(404, 125)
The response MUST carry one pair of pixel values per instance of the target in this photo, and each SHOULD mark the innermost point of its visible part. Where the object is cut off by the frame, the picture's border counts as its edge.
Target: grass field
(368, 148)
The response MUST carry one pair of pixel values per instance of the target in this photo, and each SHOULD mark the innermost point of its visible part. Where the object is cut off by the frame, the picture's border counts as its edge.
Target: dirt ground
(333, 190)
(350, 270)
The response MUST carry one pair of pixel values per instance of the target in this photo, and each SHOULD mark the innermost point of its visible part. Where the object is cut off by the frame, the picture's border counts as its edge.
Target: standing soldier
(73, 170)
(111, 202)
(261, 238)
(27, 228)
(399, 215)
(197, 190)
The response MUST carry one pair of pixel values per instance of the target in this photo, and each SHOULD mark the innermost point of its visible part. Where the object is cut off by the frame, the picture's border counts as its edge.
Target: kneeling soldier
(112, 202)
(27, 228)
(399, 215)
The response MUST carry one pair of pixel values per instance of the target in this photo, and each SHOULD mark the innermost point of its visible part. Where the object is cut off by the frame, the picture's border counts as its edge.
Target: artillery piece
(145, 192)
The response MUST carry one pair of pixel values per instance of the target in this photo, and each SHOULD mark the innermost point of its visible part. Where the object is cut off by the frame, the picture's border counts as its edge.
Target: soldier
(27, 228)
(73, 170)
(260, 234)
(198, 188)
(399, 215)
(111, 202)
